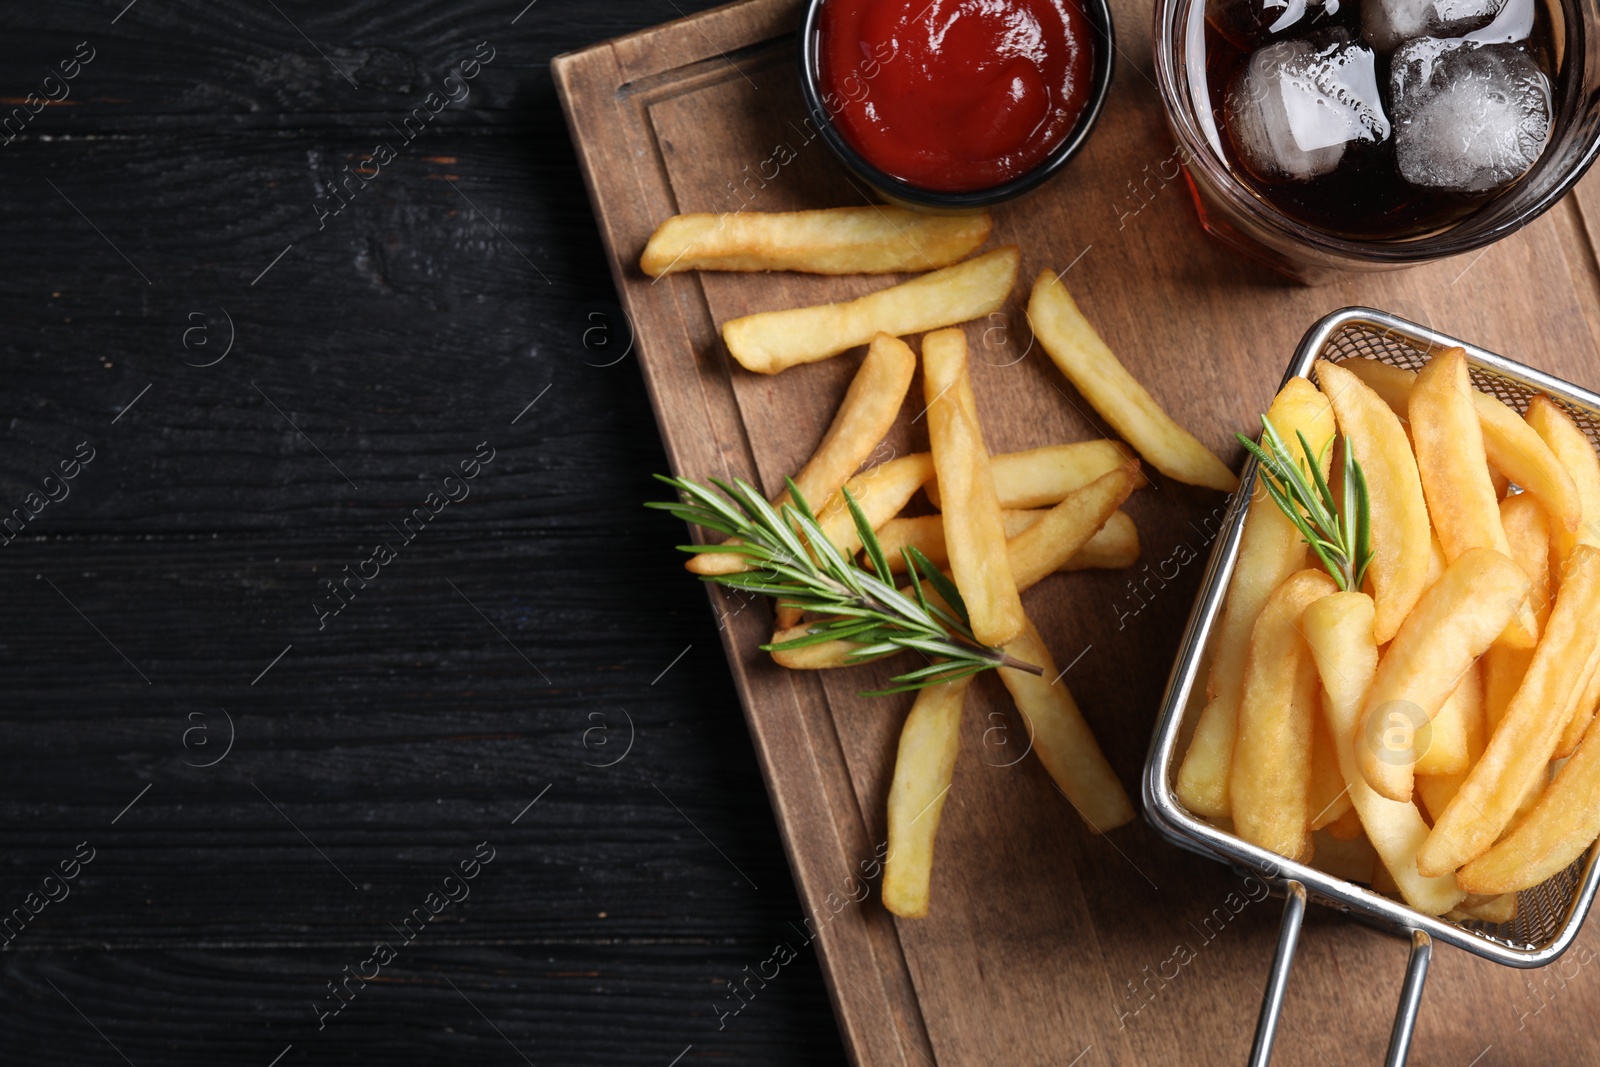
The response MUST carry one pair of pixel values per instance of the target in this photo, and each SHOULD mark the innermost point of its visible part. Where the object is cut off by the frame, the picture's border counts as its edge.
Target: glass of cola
(1323, 136)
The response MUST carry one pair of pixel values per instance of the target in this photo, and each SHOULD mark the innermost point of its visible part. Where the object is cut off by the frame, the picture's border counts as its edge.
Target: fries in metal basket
(1269, 552)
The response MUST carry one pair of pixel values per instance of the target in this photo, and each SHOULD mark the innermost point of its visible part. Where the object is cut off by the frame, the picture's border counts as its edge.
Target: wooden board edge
(890, 995)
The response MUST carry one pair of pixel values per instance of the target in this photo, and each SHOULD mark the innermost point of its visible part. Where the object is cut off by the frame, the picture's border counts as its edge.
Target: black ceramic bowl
(893, 189)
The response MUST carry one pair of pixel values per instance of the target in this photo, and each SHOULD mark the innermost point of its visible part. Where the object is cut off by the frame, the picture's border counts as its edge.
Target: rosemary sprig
(853, 603)
(1339, 532)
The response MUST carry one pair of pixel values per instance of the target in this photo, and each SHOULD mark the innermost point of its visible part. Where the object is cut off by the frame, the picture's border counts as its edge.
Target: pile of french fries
(1002, 522)
(1444, 715)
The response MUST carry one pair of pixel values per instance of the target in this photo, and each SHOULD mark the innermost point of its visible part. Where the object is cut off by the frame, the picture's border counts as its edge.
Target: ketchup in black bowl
(955, 103)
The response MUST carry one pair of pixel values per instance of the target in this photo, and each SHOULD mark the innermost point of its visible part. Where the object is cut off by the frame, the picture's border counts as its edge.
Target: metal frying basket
(1548, 915)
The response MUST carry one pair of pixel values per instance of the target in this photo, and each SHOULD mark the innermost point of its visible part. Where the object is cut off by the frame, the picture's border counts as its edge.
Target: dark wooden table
(238, 824)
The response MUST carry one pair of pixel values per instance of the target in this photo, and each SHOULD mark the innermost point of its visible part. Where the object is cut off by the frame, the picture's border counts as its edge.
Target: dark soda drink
(1380, 120)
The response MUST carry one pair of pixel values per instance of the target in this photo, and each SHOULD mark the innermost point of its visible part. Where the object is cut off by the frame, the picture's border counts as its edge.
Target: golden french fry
(1524, 740)
(1578, 724)
(1119, 398)
(1338, 631)
(1270, 784)
(1114, 546)
(1455, 471)
(1508, 447)
(1044, 556)
(867, 413)
(1500, 909)
(771, 341)
(1516, 450)
(844, 240)
(1066, 528)
(1503, 671)
(1438, 789)
(1040, 477)
(1455, 621)
(1457, 731)
(1434, 792)
(1560, 827)
(881, 491)
(1270, 550)
(1401, 534)
(1528, 535)
(1391, 383)
(1556, 429)
(868, 410)
(1330, 799)
(974, 533)
(1063, 740)
(922, 769)
(870, 405)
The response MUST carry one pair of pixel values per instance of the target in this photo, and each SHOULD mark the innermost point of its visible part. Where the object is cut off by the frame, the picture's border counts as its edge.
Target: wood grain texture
(414, 325)
(1045, 942)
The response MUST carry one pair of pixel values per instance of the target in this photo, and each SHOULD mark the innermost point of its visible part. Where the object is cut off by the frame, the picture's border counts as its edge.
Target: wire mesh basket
(1548, 915)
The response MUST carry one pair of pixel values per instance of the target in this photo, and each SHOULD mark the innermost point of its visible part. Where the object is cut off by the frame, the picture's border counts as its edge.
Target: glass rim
(1461, 236)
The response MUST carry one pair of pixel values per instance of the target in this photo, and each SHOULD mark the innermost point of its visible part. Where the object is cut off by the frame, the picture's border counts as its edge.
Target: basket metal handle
(1405, 1015)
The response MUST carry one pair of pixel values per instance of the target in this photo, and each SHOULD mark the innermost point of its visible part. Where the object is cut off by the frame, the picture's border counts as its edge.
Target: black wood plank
(624, 1002)
(251, 390)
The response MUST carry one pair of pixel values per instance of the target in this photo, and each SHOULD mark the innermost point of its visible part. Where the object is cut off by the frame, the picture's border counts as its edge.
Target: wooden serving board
(1046, 944)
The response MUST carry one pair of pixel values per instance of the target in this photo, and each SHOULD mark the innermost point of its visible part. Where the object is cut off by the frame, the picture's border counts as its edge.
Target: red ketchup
(955, 95)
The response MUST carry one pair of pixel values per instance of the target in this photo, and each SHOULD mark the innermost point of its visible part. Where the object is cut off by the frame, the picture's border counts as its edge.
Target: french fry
(1455, 621)
(1063, 740)
(1508, 446)
(1270, 549)
(1040, 477)
(845, 240)
(882, 493)
(868, 410)
(1119, 398)
(870, 405)
(1578, 458)
(1556, 428)
(1030, 554)
(1528, 535)
(1338, 631)
(974, 533)
(1560, 827)
(1114, 546)
(1438, 789)
(1457, 731)
(1515, 449)
(1435, 792)
(1524, 740)
(1270, 785)
(1391, 383)
(1455, 472)
(865, 416)
(923, 767)
(1578, 724)
(1067, 528)
(1330, 799)
(1500, 909)
(771, 341)
(1401, 534)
